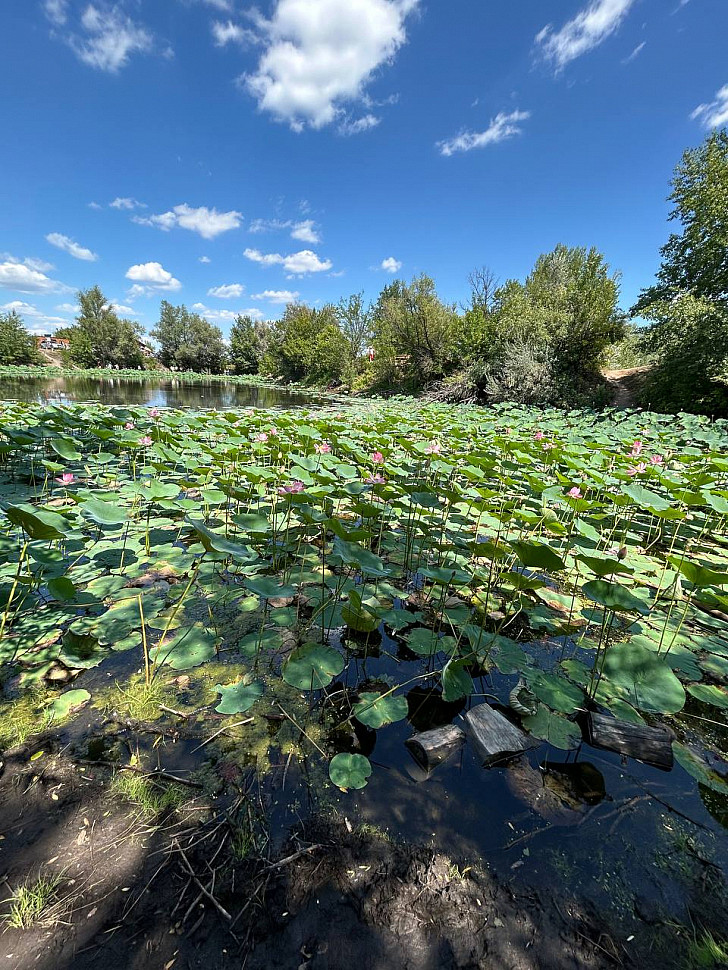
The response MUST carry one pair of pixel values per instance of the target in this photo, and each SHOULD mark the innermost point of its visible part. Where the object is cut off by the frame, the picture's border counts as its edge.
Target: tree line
(543, 340)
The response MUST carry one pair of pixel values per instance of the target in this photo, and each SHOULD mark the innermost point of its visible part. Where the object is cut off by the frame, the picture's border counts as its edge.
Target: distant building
(46, 341)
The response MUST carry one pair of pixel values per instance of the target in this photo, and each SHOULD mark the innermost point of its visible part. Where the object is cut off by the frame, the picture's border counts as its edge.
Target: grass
(139, 700)
(706, 953)
(34, 903)
(21, 718)
(150, 797)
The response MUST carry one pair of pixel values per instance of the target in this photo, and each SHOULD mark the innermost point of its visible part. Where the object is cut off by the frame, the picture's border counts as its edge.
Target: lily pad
(647, 682)
(312, 666)
(349, 771)
(239, 697)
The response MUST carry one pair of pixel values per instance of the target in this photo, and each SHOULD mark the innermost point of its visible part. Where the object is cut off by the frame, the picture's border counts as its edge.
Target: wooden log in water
(493, 736)
(431, 748)
(652, 745)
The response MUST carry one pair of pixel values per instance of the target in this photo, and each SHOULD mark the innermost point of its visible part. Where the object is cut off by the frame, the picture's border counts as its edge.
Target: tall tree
(16, 344)
(355, 322)
(306, 344)
(100, 338)
(189, 342)
(248, 340)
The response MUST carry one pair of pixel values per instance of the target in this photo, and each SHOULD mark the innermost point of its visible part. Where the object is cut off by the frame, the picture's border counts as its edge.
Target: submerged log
(653, 745)
(431, 748)
(493, 735)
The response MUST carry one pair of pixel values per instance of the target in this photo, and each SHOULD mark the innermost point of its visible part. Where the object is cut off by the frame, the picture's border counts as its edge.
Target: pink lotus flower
(292, 488)
(539, 435)
(66, 479)
(378, 458)
(129, 426)
(146, 440)
(656, 460)
(637, 469)
(375, 479)
(574, 492)
(323, 449)
(154, 412)
(636, 448)
(434, 448)
(262, 437)
(273, 432)
(548, 446)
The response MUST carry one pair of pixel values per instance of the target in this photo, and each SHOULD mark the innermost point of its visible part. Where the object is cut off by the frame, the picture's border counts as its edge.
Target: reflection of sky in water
(152, 393)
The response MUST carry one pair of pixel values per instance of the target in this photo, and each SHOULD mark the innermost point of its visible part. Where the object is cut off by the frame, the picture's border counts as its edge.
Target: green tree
(189, 342)
(306, 344)
(415, 333)
(688, 305)
(355, 323)
(16, 344)
(248, 340)
(100, 338)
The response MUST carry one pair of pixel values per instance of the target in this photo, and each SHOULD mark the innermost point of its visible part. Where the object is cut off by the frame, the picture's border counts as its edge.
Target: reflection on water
(153, 392)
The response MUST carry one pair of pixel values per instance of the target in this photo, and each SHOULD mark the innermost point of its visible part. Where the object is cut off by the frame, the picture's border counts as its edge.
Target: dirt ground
(625, 385)
(181, 894)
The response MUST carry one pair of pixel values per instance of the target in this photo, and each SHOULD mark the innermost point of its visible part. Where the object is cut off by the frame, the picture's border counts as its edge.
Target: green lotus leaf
(456, 680)
(556, 692)
(375, 711)
(189, 647)
(613, 597)
(552, 728)
(709, 694)
(646, 680)
(68, 702)
(103, 514)
(239, 697)
(349, 771)
(538, 555)
(312, 666)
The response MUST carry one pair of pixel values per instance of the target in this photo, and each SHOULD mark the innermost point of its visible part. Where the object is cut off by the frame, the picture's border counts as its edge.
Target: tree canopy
(16, 344)
(189, 342)
(100, 338)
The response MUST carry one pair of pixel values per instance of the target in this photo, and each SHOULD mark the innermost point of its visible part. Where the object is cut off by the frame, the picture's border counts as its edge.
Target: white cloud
(391, 265)
(40, 264)
(635, 53)
(108, 38)
(304, 231)
(204, 259)
(297, 264)
(231, 291)
(207, 222)
(582, 33)
(320, 54)
(126, 203)
(277, 296)
(714, 114)
(224, 5)
(503, 126)
(41, 320)
(60, 241)
(68, 308)
(128, 311)
(56, 11)
(230, 33)
(95, 205)
(226, 316)
(365, 123)
(149, 278)
(25, 277)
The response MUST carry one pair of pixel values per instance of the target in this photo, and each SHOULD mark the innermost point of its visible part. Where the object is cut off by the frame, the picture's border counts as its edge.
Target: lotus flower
(292, 488)
(434, 448)
(636, 448)
(378, 458)
(539, 435)
(323, 449)
(129, 426)
(66, 479)
(375, 479)
(656, 460)
(145, 441)
(637, 469)
(262, 437)
(154, 412)
(273, 432)
(574, 492)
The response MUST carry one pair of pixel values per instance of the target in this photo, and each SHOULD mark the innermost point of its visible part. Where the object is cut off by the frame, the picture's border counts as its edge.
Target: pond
(152, 392)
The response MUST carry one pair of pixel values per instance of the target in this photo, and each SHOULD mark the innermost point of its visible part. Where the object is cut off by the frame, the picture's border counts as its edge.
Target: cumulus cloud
(502, 127)
(208, 223)
(204, 259)
(124, 310)
(126, 203)
(68, 308)
(715, 113)
(230, 291)
(582, 33)
(277, 296)
(108, 37)
(391, 265)
(26, 277)
(297, 264)
(150, 278)
(320, 54)
(304, 231)
(41, 321)
(356, 127)
(68, 245)
(226, 316)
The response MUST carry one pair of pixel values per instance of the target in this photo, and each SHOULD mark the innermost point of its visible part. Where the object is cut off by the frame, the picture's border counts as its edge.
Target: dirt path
(625, 385)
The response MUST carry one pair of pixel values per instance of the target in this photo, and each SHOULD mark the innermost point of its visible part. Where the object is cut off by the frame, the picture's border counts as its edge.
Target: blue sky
(232, 156)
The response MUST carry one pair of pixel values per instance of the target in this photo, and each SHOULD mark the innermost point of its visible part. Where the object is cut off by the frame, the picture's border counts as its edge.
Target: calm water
(153, 392)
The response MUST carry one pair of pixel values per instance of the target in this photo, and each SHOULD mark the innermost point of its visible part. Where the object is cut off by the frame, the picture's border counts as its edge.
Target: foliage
(32, 904)
(100, 338)
(630, 351)
(187, 341)
(306, 344)
(248, 340)
(16, 344)
(355, 323)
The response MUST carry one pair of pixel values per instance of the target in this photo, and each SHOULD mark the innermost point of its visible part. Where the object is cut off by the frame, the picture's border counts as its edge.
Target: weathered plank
(431, 748)
(492, 735)
(652, 745)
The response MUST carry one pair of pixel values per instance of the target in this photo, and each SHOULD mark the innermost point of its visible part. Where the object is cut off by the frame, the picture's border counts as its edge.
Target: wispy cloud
(359, 125)
(40, 320)
(227, 32)
(319, 55)
(68, 245)
(502, 127)
(297, 264)
(106, 36)
(582, 33)
(635, 53)
(127, 203)
(226, 316)
(208, 223)
(714, 114)
(304, 230)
